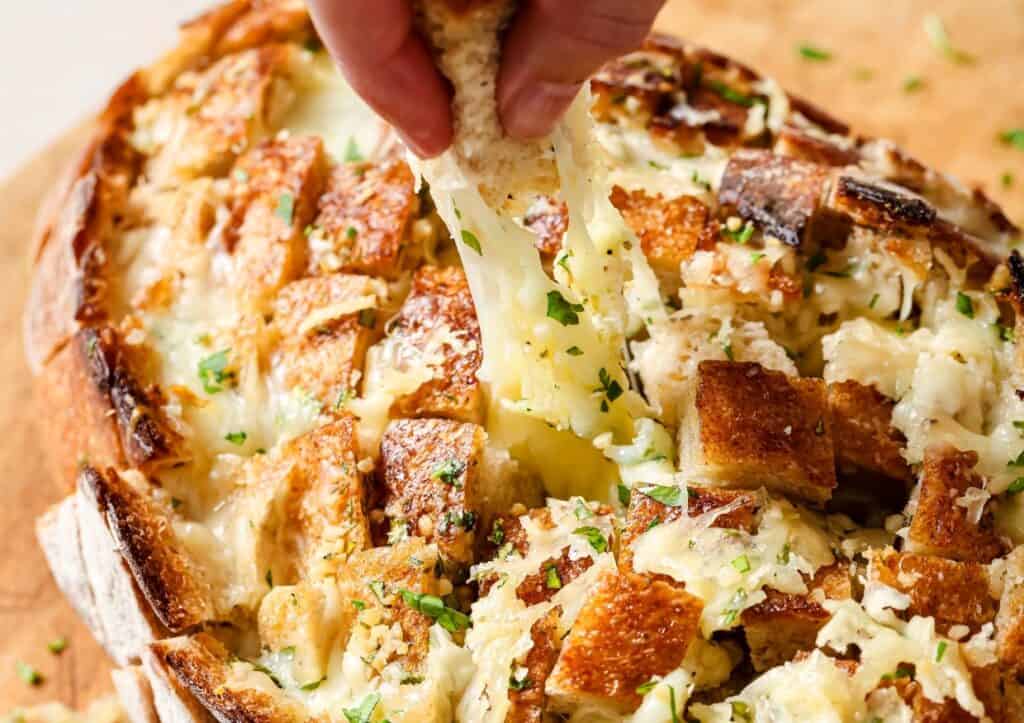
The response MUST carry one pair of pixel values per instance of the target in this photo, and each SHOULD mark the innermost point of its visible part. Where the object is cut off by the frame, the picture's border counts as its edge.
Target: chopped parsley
(964, 304)
(57, 645)
(755, 257)
(611, 388)
(449, 472)
(562, 311)
(783, 557)
(1013, 137)
(668, 495)
(363, 713)
(741, 712)
(28, 674)
(645, 688)
(359, 604)
(214, 373)
(465, 520)
(515, 683)
(913, 84)
(874, 300)
(623, 492)
(736, 604)
(497, 535)
(698, 180)
(412, 679)
(594, 536)
(470, 239)
(552, 579)
(434, 608)
(377, 588)
(940, 651)
(727, 349)
(236, 438)
(352, 152)
(672, 704)
(811, 52)
(740, 235)
(741, 563)
(582, 511)
(935, 29)
(1018, 462)
(1006, 180)
(730, 94)
(574, 351)
(901, 672)
(1005, 333)
(285, 208)
(351, 232)
(1016, 487)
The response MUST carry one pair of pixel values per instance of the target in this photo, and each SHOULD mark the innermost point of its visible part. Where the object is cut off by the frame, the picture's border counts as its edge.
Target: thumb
(552, 48)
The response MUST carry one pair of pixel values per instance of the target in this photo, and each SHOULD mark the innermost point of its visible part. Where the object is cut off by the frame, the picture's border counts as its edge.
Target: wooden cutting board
(952, 122)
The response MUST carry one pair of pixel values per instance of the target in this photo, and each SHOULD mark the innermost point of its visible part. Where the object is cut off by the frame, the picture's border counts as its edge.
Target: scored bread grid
(330, 257)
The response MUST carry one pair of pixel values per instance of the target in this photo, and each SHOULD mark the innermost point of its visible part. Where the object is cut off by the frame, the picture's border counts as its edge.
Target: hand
(552, 47)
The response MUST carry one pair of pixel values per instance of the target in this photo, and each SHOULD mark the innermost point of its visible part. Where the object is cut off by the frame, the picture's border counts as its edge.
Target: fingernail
(424, 145)
(533, 111)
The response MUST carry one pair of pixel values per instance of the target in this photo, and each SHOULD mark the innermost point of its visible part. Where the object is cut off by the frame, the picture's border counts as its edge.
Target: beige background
(62, 57)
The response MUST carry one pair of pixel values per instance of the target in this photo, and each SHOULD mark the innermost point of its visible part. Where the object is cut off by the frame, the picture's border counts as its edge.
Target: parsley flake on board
(935, 29)
(811, 52)
(1013, 137)
(562, 311)
(28, 674)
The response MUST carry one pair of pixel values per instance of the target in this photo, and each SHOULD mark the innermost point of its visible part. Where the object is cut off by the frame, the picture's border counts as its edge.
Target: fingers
(554, 46)
(385, 61)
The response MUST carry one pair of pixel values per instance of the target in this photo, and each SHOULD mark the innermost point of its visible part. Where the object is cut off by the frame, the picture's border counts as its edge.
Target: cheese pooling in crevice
(554, 348)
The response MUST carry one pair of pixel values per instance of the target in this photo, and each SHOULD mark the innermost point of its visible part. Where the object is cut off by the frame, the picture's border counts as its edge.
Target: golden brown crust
(759, 427)
(201, 665)
(554, 574)
(430, 478)
(527, 704)
(954, 593)
(440, 305)
(862, 429)
(323, 340)
(645, 512)
(276, 186)
(941, 527)
(670, 230)
(784, 624)
(631, 629)
(363, 220)
(144, 535)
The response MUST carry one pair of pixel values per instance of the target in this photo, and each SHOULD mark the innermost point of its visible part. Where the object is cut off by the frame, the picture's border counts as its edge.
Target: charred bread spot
(631, 629)
(941, 528)
(756, 427)
(438, 318)
(147, 439)
(162, 570)
(646, 512)
(364, 219)
(779, 194)
(880, 206)
(527, 705)
(954, 593)
(796, 142)
(785, 624)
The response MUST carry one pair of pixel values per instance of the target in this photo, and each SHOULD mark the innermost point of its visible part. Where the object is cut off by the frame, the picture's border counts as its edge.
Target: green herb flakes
(964, 304)
(1013, 137)
(363, 713)
(668, 495)
(57, 645)
(28, 674)
(935, 29)
(434, 608)
(449, 472)
(352, 152)
(741, 564)
(470, 239)
(811, 52)
(236, 438)
(562, 311)
(594, 536)
(214, 373)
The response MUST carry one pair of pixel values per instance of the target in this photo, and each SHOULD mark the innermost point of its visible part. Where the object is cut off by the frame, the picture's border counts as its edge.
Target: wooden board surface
(951, 123)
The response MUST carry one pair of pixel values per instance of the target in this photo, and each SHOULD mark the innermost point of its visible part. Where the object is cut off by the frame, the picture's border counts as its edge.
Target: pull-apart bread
(720, 419)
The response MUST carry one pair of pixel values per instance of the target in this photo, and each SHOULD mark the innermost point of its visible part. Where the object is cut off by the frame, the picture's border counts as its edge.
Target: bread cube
(631, 628)
(939, 525)
(753, 427)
